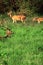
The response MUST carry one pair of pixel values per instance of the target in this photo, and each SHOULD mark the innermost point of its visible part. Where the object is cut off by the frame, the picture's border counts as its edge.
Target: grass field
(24, 47)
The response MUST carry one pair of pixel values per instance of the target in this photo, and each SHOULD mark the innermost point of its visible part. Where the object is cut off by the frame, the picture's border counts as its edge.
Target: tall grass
(25, 46)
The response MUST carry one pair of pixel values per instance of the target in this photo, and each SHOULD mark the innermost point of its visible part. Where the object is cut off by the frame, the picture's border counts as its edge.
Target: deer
(15, 18)
(40, 19)
(8, 34)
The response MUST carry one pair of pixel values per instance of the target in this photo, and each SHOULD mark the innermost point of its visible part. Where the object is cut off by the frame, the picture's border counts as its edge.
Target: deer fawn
(38, 19)
(8, 34)
(16, 18)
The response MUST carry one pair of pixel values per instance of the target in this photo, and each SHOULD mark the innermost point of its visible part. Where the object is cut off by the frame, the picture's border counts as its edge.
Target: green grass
(24, 47)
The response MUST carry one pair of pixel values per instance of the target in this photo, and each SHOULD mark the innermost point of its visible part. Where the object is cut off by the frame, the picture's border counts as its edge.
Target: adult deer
(18, 17)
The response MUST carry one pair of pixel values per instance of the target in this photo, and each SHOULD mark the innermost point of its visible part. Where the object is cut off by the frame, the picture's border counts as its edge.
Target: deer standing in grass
(40, 19)
(16, 18)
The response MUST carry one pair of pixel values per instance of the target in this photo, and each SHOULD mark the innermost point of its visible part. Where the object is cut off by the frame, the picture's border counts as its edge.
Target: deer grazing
(8, 34)
(40, 19)
(18, 17)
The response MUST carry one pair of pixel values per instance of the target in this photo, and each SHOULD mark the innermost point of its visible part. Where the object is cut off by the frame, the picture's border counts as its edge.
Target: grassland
(25, 46)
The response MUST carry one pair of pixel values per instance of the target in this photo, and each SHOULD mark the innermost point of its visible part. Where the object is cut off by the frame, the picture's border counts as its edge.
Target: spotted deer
(40, 19)
(18, 17)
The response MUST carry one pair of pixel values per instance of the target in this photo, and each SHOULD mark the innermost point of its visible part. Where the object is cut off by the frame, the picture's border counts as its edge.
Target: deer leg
(21, 20)
(14, 21)
(24, 22)
(38, 21)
